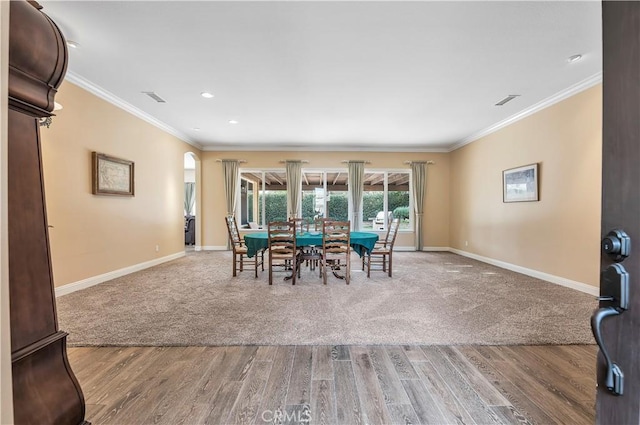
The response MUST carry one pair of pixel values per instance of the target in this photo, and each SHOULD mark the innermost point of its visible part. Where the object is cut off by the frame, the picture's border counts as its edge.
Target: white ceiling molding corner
(545, 103)
(119, 103)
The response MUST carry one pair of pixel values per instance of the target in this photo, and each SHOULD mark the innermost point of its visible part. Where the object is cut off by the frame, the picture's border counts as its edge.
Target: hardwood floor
(338, 384)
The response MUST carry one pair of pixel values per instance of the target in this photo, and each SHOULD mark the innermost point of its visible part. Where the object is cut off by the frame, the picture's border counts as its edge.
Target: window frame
(325, 171)
(386, 172)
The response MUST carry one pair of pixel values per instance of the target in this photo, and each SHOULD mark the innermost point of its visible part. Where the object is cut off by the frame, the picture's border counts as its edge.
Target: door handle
(614, 380)
(614, 299)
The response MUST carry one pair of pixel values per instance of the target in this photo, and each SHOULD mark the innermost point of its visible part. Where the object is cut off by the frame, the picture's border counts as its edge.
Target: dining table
(361, 242)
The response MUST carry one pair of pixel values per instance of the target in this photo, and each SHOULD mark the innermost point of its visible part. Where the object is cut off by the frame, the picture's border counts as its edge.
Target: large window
(325, 194)
(337, 195)
(386, 196)
(313, 198)
(263, 197)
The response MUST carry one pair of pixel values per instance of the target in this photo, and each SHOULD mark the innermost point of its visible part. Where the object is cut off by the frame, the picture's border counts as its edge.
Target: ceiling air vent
(154, 96)
(507, 99)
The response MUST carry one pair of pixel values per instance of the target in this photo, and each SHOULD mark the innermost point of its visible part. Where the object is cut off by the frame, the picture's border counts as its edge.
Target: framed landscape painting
(112, 176)
(520, 184)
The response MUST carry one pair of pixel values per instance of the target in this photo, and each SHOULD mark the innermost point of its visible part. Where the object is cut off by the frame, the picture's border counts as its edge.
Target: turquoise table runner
(361, 242)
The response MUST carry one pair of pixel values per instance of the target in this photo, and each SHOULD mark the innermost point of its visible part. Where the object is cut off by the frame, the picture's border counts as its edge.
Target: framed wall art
(520, 184)
(112, 176)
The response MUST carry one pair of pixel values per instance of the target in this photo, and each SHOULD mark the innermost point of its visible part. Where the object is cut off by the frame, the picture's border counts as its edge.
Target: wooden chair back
(282, 239)
(301, 225)
(234, 234)
(392, 232)
(336, 246)
(382, 254)
(240, 249)
(282, 247)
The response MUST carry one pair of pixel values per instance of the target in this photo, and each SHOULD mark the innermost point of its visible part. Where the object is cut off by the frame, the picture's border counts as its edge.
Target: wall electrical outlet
(157, 248)
(466, 243)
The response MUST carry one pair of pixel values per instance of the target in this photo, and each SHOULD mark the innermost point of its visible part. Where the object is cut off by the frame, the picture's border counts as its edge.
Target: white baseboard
(213, 248)
(95, 280)
(435, 248)
(404, 248)
(578, 286)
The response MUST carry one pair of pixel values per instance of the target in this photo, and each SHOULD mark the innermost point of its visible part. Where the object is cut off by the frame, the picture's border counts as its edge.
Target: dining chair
(240, 249)
(282, 248)
(336, 249)
(301, 224)
(308, 254)
(382, 252)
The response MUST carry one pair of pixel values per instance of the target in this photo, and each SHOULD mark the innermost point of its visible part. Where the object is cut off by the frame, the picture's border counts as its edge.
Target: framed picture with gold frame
(111, 175)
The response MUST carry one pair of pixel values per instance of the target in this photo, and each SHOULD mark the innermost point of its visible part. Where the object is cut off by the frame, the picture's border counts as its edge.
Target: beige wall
(436, 221)
(93, 235)
(559, 234)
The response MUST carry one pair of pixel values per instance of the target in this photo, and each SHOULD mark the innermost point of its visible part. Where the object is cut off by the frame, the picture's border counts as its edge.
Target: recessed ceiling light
(233, 122)
(574, 58)
(196, 128)
(206, 95)
(73, 44)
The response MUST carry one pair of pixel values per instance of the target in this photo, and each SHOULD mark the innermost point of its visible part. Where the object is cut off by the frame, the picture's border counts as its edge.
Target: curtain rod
(346, 161)
(418, 162)
(239, 160)
(304, 161)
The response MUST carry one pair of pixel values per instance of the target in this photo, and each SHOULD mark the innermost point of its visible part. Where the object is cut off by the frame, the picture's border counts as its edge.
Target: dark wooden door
(621, 203)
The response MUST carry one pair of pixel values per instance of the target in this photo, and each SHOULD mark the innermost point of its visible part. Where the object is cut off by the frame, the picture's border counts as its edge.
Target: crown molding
(324, 148)
(116, 101)
(113, 99)
(558, 97)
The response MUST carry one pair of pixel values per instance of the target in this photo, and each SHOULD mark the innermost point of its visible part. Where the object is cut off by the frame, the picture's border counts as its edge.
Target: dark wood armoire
(45, 390)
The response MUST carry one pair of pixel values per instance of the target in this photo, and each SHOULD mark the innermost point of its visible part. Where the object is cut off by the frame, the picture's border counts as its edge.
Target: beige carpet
(433, 298)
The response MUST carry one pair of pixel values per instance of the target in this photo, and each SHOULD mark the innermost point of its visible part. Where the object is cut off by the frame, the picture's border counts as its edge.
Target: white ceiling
(331, 75)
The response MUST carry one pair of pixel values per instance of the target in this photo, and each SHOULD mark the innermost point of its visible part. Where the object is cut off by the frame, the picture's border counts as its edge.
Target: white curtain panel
(356, 182)
(419, 179)
(294, 187)
(231, 180)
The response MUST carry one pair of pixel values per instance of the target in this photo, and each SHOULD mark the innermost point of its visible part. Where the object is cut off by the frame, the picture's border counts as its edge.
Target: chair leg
(324, 270)
(261, 255)
(241, 262)
(233, 263)
(294, 271)
(390, 263)
(347, 278)
(270, 271)
(369, 265)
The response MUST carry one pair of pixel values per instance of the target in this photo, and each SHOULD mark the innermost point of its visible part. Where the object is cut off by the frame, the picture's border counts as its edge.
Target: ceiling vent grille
(507, 99)
(154, 96)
